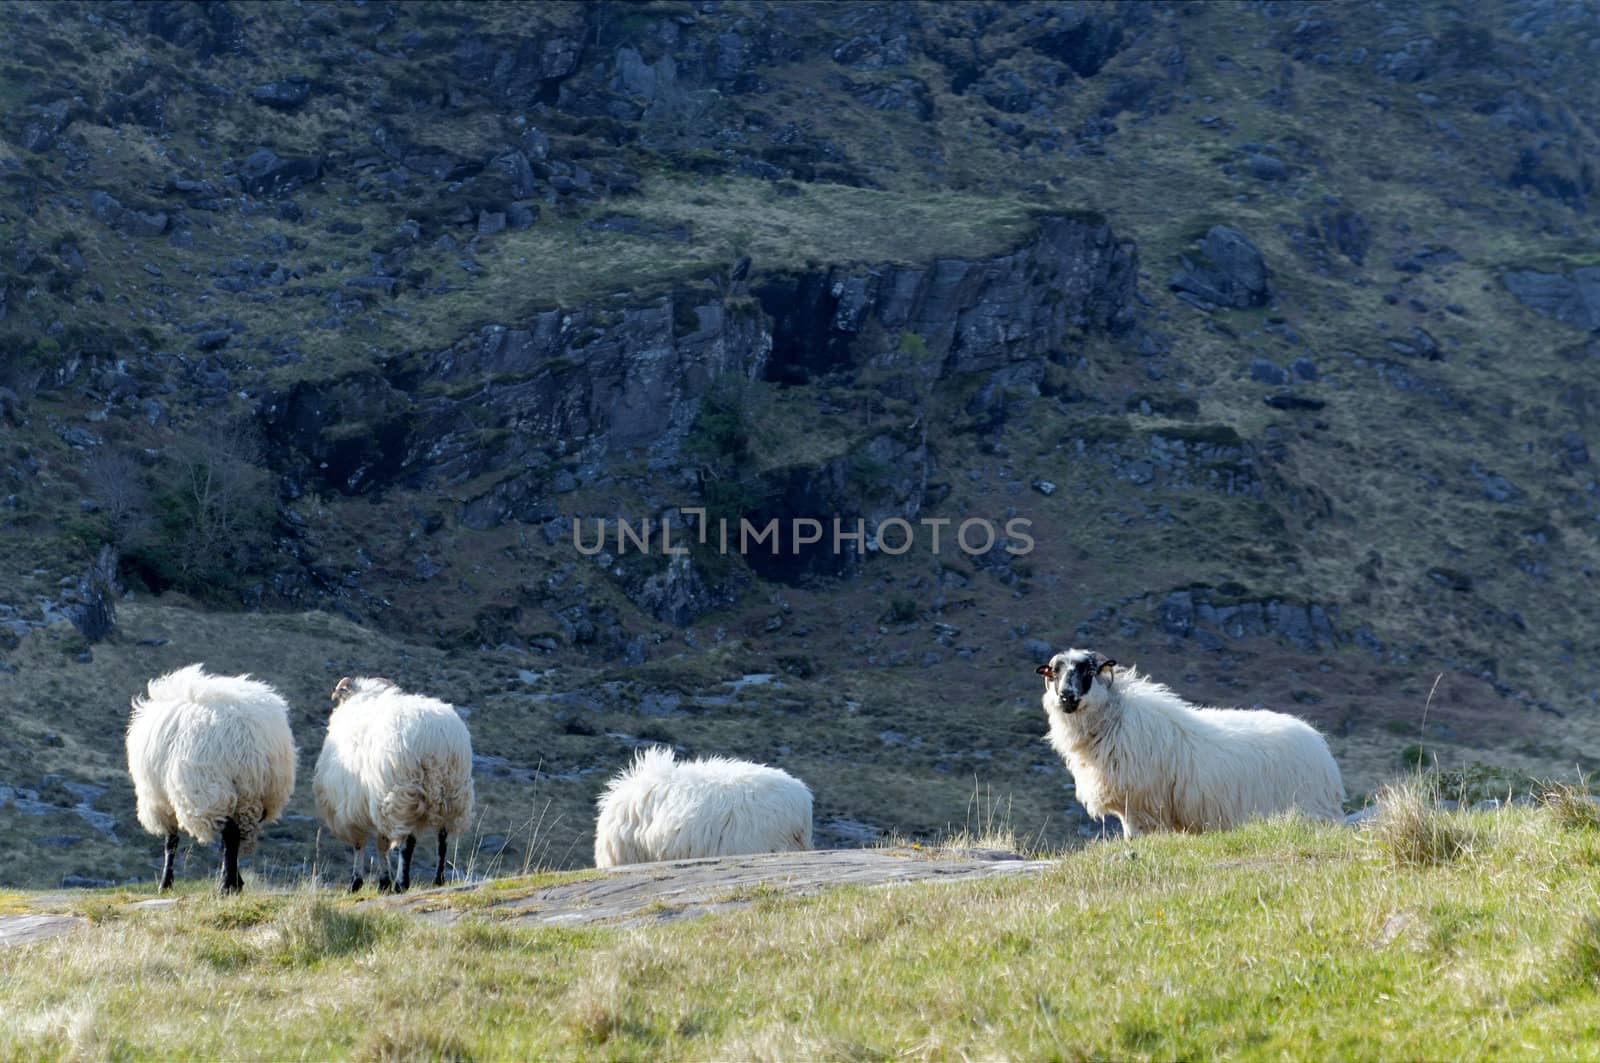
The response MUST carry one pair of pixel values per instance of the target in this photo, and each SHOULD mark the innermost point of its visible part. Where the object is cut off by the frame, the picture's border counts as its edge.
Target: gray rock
(514, 164)
(1267, 168)
(1288, 400)
(1228, 270)
(1571, 298)
(1178, 613)
(1495, 487)
(491, 222)
(1420, 344)
(266, 173)
(94, 613)
(1265, 372)
(81, 438)
(522, 215)
(535, 143)
(113, 214)
(290, 94)
(28, 929)
(646, 894)
(1415, 61)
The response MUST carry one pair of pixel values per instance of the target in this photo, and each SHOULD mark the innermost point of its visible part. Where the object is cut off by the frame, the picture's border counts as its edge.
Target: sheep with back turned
(393, 765)
(659, 809)
(1140, 752)
(213, 756)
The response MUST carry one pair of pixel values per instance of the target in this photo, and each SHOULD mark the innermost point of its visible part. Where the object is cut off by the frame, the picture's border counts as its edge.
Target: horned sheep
(210, 755)
(1140, 752)
(660, 809)
(393, 765)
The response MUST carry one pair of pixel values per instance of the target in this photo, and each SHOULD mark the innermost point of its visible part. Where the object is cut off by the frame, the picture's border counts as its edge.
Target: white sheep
(658, 809)
(393, 765)
(1139, 751)
(210, 754)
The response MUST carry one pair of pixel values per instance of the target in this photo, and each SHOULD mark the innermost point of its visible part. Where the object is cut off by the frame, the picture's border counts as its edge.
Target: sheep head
(1071, 679)
(349, 687)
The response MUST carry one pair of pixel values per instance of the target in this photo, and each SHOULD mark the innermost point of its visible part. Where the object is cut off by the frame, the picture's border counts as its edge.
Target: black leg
(405, 863)
(170, 859)
(385, 865)
(231, 882)
(438, 875)
(356, 881)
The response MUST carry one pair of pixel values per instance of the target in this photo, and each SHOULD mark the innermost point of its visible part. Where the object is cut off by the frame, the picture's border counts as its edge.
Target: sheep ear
(1045, 670)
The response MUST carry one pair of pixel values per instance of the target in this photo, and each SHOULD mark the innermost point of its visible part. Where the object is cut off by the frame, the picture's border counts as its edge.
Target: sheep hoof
(385, 886)
(357, 883)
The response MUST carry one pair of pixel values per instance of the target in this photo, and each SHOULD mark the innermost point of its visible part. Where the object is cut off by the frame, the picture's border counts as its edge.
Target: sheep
(1139, 751)
(210, 754)
(658, 809)
(392, 765)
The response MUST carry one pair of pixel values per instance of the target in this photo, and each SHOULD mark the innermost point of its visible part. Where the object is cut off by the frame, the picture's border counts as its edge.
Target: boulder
(290, 94)
(266, 173)
(1571, 298)
(1227, 270)
(111, 213)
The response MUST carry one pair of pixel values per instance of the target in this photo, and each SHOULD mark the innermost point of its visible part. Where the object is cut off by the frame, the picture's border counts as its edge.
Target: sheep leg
(405, 863)
(385, 866)
(438, 875)
(231, 882)
(170, 858)
(356, 881)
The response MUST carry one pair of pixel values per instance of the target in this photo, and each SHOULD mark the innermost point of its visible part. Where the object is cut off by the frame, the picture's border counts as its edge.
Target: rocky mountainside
(331, 330)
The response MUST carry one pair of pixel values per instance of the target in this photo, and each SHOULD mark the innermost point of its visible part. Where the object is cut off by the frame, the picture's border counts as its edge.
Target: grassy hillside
(1279, 940)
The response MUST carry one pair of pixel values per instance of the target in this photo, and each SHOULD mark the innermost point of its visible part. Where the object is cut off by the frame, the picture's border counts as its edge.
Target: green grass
(1279, 940)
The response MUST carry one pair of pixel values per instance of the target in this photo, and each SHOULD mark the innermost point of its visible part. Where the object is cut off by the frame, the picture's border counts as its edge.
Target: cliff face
(506, 402)
(1072, 277)
(326, 325)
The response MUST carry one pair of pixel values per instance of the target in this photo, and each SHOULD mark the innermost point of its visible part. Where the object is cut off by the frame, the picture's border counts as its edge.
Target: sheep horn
(342, 690)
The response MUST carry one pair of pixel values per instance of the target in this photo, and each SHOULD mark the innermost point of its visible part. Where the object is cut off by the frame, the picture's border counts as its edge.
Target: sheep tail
(435, 796)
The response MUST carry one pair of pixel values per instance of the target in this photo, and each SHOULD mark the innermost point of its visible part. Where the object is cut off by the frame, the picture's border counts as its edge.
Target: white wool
(393, 765)
(1140, 752)
(203, 748)
(658, 809)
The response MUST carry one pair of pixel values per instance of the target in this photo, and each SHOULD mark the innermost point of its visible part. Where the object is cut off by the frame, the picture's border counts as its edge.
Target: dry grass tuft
(409, 1044)
(1571, 806)
(1413, 831)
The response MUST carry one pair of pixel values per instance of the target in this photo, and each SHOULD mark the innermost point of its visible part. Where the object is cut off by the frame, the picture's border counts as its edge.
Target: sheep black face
(1070, 677)
(349, 687)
